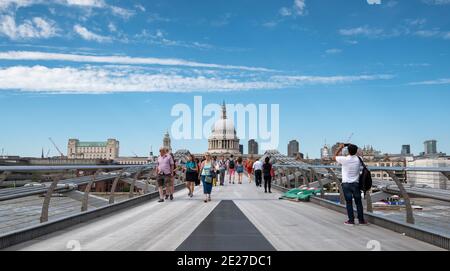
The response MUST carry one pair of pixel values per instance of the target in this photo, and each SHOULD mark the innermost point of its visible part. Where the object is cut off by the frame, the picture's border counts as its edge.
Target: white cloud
(391, 4)
(434, 33)
(437, 2)
(374, 2)
(333, 51)
(112, 27)
(295, 80)
(155, 17)
(88, 35)
(121, 12)
(85, 3)
(103, 80)
(159, 37)
(6, 4)
(123, 60)
(298, 8)
(124, 79)
(115, 10)
(30, 29)
(361, 31)
(442, 81)
(140, 7)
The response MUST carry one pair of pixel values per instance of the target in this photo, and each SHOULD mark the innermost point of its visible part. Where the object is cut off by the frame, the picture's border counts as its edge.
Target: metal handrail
(374, 168)
(306, 169)
(47, 191)
(71, 167)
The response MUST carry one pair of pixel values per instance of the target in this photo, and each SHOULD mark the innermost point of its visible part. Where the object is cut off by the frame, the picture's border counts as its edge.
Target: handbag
(208, 179)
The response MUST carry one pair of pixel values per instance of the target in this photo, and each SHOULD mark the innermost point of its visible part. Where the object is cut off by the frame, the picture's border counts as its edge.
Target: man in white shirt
(351, 166)
(257, 168)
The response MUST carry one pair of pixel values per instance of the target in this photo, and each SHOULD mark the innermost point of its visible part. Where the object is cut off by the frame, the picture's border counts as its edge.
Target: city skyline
(100, 69)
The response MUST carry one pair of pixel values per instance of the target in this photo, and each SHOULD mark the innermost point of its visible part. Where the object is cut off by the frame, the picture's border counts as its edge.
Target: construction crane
(349, 138)
(56, 147)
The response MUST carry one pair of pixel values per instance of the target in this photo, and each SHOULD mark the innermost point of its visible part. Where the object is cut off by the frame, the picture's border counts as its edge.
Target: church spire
(224, 110)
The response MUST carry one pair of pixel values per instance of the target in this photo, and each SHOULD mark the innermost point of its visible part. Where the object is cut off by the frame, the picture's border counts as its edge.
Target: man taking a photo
(350, 182)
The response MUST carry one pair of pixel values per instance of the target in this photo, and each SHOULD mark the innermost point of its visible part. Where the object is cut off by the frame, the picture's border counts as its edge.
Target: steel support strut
(133, 182)
(339, 185)
(84, 203)
(409, 210)
(48, 196)
(316, 175)
(114, 185)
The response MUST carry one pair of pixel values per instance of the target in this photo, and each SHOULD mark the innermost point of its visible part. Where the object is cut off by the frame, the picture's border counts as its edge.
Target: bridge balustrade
(320, 176)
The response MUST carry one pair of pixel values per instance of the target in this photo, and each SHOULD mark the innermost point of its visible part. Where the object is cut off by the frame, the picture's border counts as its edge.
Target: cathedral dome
(223, 129)
(223, 137)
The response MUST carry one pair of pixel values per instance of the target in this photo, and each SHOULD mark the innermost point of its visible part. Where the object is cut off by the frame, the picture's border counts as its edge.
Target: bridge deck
(245, 215)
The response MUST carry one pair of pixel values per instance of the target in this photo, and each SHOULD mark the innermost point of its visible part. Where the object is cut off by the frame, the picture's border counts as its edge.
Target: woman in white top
(206, 169)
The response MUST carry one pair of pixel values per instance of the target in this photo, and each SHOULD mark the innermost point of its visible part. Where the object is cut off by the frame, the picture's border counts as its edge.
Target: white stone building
(108, 150)
(223, 139)
(429, 179)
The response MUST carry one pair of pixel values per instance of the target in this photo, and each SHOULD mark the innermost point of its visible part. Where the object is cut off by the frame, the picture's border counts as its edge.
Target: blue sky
(95, 69)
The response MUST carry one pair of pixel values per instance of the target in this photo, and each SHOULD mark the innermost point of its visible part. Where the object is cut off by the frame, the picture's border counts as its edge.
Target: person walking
(249, 169)
(206, 175)
(351, 166)
(197, 162)
(170, 187)
(240, 169)
(164, 171)
(257, 168)
(267, 173)
(191, 174)
(231, 169)
(222, 168)
(214, 171)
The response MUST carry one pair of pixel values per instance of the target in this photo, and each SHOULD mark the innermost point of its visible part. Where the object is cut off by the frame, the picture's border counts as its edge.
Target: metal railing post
(314, 174)
(288, 173)
(146, 185)
(339, 185)
(4, 176)
(408, 207)
(279, 177)
(369, 206)
(305, 177)
(296, 176)
(48, 196)
(87, 190)
(446, 174)
(114, 185)
(133, 182)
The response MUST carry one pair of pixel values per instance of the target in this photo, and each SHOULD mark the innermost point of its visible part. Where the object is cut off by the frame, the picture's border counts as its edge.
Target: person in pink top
(164, 171)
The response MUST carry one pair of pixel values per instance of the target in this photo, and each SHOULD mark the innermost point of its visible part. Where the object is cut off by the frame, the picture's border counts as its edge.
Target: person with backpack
(249, 168)
(191, 169)
(222, 165)
(231, 169)
(351, 165)
(257, 168)
(240, 169)
(267, 173)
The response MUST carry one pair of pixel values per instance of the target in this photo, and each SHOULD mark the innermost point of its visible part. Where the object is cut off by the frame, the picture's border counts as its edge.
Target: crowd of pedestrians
(212, 171)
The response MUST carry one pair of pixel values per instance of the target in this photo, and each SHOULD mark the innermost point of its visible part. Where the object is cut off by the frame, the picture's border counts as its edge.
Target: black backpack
(266, 169)
(365, 178)
(231, 164)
